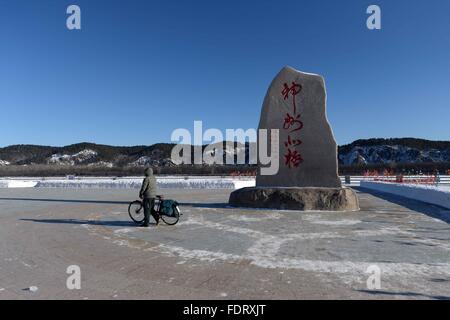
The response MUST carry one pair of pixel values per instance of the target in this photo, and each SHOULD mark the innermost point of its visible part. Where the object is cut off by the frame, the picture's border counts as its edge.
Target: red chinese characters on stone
(292, 142)
(294, 89)
(292, 123)
(292, 158)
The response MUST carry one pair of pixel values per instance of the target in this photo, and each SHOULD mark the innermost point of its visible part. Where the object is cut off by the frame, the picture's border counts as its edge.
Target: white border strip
(428, 194)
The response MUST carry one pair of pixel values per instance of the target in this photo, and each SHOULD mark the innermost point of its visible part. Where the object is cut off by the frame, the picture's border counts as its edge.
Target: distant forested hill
(359, 152)
(399, 150)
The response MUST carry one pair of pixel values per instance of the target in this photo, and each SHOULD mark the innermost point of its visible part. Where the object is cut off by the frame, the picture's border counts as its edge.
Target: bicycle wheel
(136, 211)
(171, 220)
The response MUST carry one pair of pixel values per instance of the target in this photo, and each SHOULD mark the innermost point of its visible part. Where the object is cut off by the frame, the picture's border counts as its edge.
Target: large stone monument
(307, 178)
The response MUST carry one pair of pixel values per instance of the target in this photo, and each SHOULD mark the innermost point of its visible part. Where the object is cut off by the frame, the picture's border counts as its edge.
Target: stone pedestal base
(326, 199)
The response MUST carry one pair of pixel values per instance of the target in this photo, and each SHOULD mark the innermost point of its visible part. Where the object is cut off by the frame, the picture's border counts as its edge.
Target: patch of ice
(255, 217)
(343, 222)
(124, 230)
(264, 253)
(203, 255)
(121, 242)
(32, 289)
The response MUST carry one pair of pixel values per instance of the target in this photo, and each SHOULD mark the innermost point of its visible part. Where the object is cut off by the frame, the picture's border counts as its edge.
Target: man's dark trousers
(149, 203)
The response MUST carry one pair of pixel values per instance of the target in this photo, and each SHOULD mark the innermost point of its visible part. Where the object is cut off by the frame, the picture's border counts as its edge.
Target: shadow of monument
(405, 294)
(415, 205)
(66, 200)
(227, 206)
(217, 205)
(223, 205)
(85, 222)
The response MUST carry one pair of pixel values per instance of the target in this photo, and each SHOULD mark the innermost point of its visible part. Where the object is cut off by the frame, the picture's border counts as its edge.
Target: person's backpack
(168, 207)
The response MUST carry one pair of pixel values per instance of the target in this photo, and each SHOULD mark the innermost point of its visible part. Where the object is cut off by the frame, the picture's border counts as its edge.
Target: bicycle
(136, 211)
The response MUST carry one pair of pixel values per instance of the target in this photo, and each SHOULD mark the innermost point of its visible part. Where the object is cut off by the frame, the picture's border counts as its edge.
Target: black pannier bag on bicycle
(168, 207)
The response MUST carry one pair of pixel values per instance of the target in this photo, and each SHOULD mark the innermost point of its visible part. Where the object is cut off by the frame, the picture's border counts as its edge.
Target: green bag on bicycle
(168, 207)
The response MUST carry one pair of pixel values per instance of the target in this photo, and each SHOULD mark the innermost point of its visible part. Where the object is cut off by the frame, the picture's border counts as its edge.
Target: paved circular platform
(217, 251)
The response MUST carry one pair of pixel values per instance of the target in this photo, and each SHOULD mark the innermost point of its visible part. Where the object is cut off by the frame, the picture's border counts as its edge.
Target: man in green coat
(148, 194)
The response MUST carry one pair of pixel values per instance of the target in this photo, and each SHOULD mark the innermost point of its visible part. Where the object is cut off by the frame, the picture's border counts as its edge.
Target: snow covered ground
(17, 183)
(172, 182)
(430, 194)
(130, 183)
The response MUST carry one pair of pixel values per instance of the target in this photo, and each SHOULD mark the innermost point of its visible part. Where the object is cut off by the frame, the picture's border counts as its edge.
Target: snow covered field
(430, 194)
(17, 183)
(130, 183)
(173, 182)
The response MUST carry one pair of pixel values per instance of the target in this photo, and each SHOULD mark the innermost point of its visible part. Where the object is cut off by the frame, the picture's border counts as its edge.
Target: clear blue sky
(139, 69)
